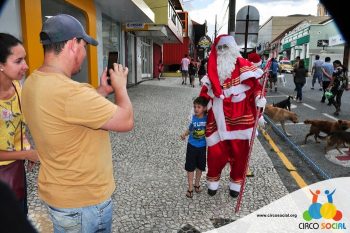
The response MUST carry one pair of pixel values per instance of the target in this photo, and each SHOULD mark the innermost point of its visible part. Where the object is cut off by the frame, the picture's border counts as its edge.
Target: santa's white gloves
(260, 102)
(261, 121)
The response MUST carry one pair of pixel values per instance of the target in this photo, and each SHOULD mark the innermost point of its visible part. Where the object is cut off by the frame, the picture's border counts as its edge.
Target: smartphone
(112, 58)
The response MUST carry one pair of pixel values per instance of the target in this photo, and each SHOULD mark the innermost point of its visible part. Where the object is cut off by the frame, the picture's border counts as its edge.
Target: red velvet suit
(231, 119)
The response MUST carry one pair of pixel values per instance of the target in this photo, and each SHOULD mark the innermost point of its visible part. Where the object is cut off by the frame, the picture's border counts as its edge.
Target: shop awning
(127, 10)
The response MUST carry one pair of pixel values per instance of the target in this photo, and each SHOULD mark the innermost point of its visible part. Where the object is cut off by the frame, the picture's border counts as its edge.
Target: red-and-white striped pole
(264, 76)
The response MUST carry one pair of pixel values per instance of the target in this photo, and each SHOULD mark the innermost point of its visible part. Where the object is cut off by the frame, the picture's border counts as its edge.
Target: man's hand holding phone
(118, 76)
(118, 79)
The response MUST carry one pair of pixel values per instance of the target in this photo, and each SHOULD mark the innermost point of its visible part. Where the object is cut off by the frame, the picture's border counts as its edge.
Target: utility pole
(215, 32)
(231, 17)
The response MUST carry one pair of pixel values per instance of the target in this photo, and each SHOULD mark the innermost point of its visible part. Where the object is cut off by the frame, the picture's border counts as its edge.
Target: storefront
(111, 38)
(102, 20)
(146, 57)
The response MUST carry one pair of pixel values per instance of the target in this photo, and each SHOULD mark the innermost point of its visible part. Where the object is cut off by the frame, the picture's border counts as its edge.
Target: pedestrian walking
(202, 71)
(192, 71)
(70, 124)
(264, 61)
(338, 84)
(14, 145)
(295, 66)
(196, 146)
(185, 62)
(300, 79)
(327, 72)
(160, 69)
(273, 74)
(316, 72)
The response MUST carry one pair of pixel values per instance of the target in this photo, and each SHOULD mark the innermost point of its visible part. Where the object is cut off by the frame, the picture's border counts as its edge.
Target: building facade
(276, 25)
(130, 27)
(308, 40)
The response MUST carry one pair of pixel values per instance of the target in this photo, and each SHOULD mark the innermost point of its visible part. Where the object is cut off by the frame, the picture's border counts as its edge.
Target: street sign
(336, 40)
(204, 42)
(247, 28)
(135, 26)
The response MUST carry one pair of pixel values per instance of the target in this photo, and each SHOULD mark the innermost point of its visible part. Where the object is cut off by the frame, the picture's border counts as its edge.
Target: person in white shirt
(184, 68)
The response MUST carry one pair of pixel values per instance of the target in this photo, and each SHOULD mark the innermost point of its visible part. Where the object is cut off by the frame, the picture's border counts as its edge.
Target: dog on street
(337, 138)
(281, 115)
(326, 127)
(284, 103)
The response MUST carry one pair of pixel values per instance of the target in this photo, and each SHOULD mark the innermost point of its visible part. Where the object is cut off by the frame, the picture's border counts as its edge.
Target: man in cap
(233, 88)
(69, 122)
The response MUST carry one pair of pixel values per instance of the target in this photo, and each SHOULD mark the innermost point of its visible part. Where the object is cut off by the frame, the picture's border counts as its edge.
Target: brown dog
(326, 127)
(339, 137)
(281, 115)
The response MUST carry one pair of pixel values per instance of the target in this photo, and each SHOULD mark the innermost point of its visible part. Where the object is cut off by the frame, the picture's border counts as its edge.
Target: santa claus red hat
(212, 65)
(254, 58)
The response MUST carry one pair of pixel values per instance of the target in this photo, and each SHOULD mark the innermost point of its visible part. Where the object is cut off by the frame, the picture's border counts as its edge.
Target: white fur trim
(210, 104)
(213, 185)
(257, 64)
(248, 74)
(219, 114)
(229, 40)
(237, 134)
(238, 98)
(235, 90)
(216, 137)
(222, 97)
(234, 186)
(213, 139)
(205, 81)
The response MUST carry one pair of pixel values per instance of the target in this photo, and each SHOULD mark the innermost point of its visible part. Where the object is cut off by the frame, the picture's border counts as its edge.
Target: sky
(201, 10)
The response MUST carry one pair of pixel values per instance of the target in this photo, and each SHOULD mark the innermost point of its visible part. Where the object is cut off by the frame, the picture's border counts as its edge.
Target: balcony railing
(175, 18)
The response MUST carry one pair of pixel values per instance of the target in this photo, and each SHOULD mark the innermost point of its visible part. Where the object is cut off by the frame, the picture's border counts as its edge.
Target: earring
(1, 69)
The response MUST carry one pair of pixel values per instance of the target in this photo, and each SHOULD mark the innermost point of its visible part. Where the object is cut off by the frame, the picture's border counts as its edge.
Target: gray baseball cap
(63, 27)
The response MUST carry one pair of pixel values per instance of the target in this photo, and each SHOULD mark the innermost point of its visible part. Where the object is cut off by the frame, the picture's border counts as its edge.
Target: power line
(223, 23)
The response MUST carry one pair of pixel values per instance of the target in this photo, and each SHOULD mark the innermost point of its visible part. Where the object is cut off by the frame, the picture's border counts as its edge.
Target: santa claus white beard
(226, 62)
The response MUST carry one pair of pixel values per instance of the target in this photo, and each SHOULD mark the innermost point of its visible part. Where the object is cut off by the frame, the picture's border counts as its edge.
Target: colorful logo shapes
(326, 211)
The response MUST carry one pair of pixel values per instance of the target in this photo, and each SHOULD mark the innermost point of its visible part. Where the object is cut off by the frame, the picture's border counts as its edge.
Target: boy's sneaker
(312, 88)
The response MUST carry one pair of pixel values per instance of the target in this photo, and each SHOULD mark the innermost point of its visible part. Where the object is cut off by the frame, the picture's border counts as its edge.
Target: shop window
(146, 57)
(110, 37)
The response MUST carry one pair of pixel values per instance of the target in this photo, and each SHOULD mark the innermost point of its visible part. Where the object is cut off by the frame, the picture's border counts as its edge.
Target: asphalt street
(310, 108)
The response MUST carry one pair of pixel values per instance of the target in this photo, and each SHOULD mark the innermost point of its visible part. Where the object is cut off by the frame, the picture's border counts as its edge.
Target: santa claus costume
(233, 91)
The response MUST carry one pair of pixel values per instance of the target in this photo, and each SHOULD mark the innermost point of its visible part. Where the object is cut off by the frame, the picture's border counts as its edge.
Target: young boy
(196, 146)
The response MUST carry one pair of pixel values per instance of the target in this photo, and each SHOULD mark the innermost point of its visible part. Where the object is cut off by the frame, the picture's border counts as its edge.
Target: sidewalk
(150, 175)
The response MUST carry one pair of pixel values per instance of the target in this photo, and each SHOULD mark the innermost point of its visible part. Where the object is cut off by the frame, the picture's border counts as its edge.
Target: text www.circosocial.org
(277, 215)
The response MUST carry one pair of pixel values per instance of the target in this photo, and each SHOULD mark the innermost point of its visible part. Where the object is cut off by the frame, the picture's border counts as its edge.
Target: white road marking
(329, 116)
(309, 106)
(276, 96)
(293, 106)
(291, 123)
